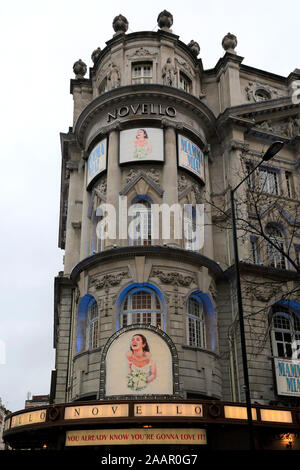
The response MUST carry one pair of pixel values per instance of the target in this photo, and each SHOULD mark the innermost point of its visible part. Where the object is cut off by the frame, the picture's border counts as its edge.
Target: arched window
(140, 223)
(141, 305)
(196, 334)
(275, 258)
(92, 330)
(285, 330)
(87, 324)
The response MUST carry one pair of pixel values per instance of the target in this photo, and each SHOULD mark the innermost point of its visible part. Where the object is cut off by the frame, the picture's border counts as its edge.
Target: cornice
(247, 115)
(161, 252)
(264, 272)
(119, 95)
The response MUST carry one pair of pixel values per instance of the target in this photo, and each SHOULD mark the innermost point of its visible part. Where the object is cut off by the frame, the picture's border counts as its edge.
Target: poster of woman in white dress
(141, 144)
(139, 362)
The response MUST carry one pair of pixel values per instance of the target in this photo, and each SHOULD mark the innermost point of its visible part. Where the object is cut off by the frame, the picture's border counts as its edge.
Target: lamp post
(272, 150)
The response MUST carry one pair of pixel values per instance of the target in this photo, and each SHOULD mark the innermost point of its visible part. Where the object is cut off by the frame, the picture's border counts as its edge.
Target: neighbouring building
(37, 400)
(146, 328)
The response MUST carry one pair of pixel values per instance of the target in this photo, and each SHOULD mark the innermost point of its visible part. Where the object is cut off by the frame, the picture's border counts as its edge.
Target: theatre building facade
(146, 331)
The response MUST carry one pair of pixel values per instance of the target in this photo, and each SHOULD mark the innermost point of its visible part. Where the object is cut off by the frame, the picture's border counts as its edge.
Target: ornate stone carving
(142, 52)
(173, 278)
(198, 193)
(102, 187)
(120, 24)
(95, 55)
(79, 68)
(108, 280)
(229, 43)
(182, 183)
(114, 76)
(289, 128)
(254, 87)
(185, 66)
(152, 173)
(165, 20)
(263, 293)
(195, 48)
(169, 72)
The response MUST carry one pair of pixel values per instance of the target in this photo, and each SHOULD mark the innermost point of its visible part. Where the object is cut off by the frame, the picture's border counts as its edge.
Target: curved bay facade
(157, 143)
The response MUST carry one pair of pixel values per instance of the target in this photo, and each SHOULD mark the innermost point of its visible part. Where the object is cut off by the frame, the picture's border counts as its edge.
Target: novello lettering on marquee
(142, 109)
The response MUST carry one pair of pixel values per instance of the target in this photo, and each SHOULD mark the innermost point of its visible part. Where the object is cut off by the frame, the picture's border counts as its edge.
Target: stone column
(85, 221)
(114, 182)
(73, 220)
(169, 179)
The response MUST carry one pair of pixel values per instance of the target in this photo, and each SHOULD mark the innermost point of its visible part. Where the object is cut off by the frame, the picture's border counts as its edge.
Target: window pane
(288, 350)
(280, 349)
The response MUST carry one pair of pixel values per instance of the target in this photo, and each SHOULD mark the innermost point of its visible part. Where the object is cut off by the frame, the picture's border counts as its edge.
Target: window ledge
(196, 348)
(88, 351)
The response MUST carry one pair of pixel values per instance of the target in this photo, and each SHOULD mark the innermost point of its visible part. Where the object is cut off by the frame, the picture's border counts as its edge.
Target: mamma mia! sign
(190, 156)
(287, 377)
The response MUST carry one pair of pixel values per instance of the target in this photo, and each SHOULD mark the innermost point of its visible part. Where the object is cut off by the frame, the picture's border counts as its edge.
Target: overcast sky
(40, 41)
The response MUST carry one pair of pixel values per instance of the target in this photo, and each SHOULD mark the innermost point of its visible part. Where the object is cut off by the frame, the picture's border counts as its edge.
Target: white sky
(40, 41)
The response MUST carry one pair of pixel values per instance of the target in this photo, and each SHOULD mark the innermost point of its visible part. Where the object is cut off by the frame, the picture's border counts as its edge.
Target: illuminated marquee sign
(97, 160)
(169, 409)
(136, 436)
(98, 411)
(287, 373)
(190, 156)
(31, 417)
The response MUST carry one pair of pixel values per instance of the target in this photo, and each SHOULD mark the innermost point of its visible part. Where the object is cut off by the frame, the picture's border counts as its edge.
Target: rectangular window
(94, 334)
(141, 73)
(196, 333)
(288, 181)
(254, 250)
(249, 168)
(297, 251)
(184, 83)
(268, 181)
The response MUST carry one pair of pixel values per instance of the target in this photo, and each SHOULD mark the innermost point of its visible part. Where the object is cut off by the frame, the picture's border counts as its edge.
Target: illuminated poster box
(97, 160)
(190, 157)
(142, 144)
(139, 362)
(287, 373)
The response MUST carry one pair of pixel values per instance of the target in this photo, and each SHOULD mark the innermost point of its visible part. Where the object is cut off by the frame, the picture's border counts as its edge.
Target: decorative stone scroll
(108, 280)
(173, 278)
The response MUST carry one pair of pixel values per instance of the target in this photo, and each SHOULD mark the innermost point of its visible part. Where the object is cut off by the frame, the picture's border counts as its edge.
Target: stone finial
(79, 68)
(120, 24)
(229, 43)
(195, 48)
(96, 54)
(165, 20)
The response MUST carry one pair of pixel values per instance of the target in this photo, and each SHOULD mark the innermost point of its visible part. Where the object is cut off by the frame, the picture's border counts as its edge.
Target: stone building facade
(151, 127)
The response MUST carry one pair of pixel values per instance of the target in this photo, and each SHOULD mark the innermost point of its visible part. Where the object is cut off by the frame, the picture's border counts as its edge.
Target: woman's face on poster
(140, 134)
(136, 343)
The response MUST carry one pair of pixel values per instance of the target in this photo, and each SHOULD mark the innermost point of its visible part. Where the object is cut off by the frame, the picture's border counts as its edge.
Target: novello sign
(141, 109)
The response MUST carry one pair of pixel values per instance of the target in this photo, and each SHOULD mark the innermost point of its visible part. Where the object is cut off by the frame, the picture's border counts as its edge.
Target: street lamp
(272, 150)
